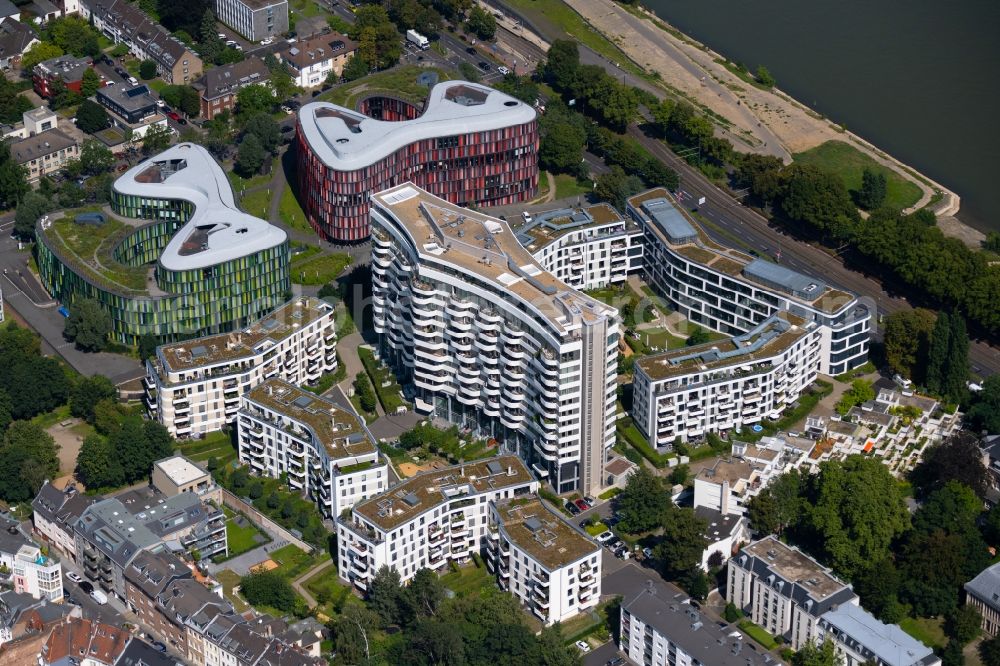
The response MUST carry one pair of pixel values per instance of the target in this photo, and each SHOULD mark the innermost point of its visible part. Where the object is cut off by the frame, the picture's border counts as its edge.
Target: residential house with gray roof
(983, 592)
(55, 512)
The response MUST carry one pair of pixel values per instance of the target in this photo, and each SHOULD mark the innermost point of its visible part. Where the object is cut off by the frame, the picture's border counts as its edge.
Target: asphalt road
(753, 231)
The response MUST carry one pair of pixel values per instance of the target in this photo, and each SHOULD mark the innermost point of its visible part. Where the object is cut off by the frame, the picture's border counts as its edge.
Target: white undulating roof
(217, 231)
(347, 140)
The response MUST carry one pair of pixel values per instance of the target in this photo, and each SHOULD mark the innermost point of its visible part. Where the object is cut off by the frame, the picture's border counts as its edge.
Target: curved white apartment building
(587, 248)
(489, 340)
(732, 292)
(686, 393)
(324, 450)
(195, 387)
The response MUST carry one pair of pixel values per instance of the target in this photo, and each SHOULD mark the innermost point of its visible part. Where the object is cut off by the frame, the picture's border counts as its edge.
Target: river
(916, 78)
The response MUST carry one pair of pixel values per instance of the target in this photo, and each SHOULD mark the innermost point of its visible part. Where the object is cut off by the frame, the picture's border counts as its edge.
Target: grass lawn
(229, 580)
(387, 395)
(568, 186)
(368, 416)
(328, 591)
(557, 14)
(291, 212)
(594, 622)
(468, 580)
(848, 162)
(240, 183)
(157, 84)
(49, 419)
(241, 539)
(660, 338)
(929, 632)
(609, 493)
(319, 270)
(400, 82)
(214, 445)
(596, 528)
(257, 203)
(758, 634)
(294, 561)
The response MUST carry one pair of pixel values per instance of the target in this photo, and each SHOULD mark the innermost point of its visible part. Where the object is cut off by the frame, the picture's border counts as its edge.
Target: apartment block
(325, 452)
(111, 533)
(66, 68)
(55, 512)
(587, 248)
(548, 565)
(31, 572)
(659, 629)
(124, 23)
(687, 393)
(428, 520)
(783, 590)
(195, 387)
(44, 153)
(732, 292)
(254, 19)
(489, 340)
(860, 639)
(467, 143)
(983, 592)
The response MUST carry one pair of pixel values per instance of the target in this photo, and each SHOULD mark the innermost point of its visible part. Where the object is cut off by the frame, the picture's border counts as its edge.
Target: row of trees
(124, 447)
(852, 516)
(931, 349)
(419, 624)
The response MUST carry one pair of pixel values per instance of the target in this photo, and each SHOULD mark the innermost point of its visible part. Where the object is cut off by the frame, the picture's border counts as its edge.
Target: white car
(133, 81)
(584, 647)
(160, 103)
(222, 35)
(605, 537)
(73, 576)
(266, 41)
(527, 217)
(503, 70)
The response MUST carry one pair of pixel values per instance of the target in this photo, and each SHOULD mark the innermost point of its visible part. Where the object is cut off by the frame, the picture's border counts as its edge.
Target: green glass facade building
(210, 268)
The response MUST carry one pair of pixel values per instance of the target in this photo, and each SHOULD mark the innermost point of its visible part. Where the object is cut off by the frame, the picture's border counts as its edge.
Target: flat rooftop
(549, 226)
(771, 337)
(218, 231)
(484, 246)
(347, 140)
(685, 235)
(425, 491)
(542, 533)
(335, 429)
(796, 567)
(227, 347)
(180, 470)
(731, 471)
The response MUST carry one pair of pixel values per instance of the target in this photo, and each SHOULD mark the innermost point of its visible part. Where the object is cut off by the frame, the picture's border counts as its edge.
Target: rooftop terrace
(771, 337)
(337, 430)
(425, 491)
(228, 347)
(685, 235)
(552, 225)
(486, 247)
(537, 530)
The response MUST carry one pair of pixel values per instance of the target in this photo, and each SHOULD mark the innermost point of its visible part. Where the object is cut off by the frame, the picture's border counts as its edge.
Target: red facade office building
(470, 144)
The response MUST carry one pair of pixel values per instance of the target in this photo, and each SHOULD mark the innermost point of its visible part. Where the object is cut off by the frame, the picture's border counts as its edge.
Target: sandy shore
(767, 121)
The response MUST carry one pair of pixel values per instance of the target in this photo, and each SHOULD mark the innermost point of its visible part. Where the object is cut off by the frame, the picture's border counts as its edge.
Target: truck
(417, 40)
(99, 597)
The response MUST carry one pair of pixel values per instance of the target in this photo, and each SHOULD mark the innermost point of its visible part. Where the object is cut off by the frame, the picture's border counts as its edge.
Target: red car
(173, 115)
(581, 504)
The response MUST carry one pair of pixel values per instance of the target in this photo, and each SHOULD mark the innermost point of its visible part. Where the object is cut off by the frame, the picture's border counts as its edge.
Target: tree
(857, 511)
(907, 334)
(964, 624)
(250, 156)
(6, 410)
(424, 594)
(873, 189)
(156, 139)
(91, 117)
(31, 207)
(731, 613)
(699, 336)
(683, 541)
(563, 135)
(13, 180)
(88, 325)
(878, 586)
(268, 588)
(932, 571)
(984, 414)
(860, 392)
(12, 104)
(955, 509)
(378, 40)
(989, 652)
(90, 83)
(87, 393)
(819, 199)
(937, 355)
(40, 52)
(98, 465)
(779, 505)
(352, 633)
(642, 504)
(264, 127)
(75, 35)
(147, 70)
(255, 99)
(817, 655)
(958, 458)
(561, 63)
(147, 346)
(680, 474)
(95, 157)
(760, 173)
(385, 596)
(482, 23)
(764, 77)
(355, 68)
(956, 369)
(615, 187)
(434, 641)
(366, 394)
(28, 456)
(519, 87)
(468, 71)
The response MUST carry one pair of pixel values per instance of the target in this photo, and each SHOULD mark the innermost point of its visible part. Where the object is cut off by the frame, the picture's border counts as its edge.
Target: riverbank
(760, 120)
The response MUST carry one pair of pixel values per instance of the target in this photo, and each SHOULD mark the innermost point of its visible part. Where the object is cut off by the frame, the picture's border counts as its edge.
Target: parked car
(99, 597)
(222, 35)
(293, 104)
(572, 508)
(605, 537)
(121, 72)
(266, 41)
(647, 553)
(231, 43)
(503, 70)
(132, 81)
(74, 576)
(87, 586)
(590, 500)
(584, 647)
(285, 109)
(614, 544)
(471, 50)
(617, 661)
(158, 646)
(485, 66)
(161, 104)
(581, 505)
(622, 553)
